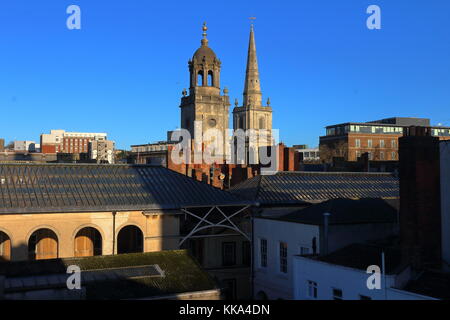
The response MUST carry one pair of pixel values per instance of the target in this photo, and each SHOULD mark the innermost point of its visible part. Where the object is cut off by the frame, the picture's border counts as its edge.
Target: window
(246, 253)
(312, 289)
(228, 253)
(263, 251)
(361, 297)
(337, 294)
(381, 155)
(381, 143)
(262, 123)
(370, 155)
(369, 143)
(200, 78)
(304, 250)
(283, 257)
(358, 154)
(210, 79)
(358, 143)
(394, 144)
(393, 155)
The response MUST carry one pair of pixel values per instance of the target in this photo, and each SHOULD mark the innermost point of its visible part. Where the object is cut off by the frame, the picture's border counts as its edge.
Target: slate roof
(432, 284)
(345, 211)
(34, 188)
(177, 273)
(360, 256)
(312, 187)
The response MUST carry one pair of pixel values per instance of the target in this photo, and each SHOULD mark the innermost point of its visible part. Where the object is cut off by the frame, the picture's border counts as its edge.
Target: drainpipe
(114, 233)
(326, 217)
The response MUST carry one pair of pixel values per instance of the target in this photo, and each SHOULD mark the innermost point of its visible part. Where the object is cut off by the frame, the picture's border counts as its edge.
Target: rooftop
(431, 283)
(345, 211)
(313, 187)
(125, 276)
(36, 188)
(360, 256)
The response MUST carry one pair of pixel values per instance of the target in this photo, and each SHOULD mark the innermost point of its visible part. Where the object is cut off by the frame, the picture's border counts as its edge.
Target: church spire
(252, 87)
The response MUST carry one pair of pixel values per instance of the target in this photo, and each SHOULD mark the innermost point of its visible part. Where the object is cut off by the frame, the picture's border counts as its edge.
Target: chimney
(420, 220)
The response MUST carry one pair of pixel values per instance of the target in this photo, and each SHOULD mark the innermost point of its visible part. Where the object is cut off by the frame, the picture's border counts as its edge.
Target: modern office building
(377, 138)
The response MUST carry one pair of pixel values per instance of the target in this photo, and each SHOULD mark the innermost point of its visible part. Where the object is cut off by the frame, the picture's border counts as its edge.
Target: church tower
(253, 114)
(205, 103)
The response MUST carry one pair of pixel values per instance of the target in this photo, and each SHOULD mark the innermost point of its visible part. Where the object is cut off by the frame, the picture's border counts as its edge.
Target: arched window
(210, 78)
(5, 247)
(241, 122)
(262, 123)
(43, 244)
(88, 242)
(200, 78)
(129, 240)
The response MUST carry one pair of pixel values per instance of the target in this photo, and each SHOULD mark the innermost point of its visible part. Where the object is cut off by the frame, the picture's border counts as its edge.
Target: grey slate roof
(360, 256)
(34, 188)
(311, 187)
(345, 211)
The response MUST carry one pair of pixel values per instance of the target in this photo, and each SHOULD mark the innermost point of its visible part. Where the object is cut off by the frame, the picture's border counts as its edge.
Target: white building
(24, 146)
(344, 275)
(309, 154)
(278, 239)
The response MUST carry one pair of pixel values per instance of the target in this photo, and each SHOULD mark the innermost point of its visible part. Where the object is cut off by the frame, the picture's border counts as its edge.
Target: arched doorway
(88, 242)
(5, 247)
(129, 240)
(43, 244)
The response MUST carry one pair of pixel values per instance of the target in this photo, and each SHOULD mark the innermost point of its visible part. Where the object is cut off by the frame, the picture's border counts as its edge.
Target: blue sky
(124, 71)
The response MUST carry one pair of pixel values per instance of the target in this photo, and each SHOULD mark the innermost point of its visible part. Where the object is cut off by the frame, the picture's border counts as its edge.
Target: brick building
(69, 142)
(377, 138)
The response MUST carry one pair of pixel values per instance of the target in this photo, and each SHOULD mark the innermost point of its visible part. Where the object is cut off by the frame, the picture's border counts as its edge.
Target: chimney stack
(420, 220)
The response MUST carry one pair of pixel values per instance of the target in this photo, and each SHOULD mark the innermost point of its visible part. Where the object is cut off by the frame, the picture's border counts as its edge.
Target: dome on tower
(204, 52)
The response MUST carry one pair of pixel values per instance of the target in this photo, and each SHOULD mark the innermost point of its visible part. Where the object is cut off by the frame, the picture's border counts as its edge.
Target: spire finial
(205, 28)
(252, 19)
(204, 40)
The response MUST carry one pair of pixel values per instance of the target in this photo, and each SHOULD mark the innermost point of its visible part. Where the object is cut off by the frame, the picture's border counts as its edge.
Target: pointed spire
(252, 87)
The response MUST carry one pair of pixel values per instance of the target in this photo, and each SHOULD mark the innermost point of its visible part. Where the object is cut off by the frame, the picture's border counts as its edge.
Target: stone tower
(204, 103)
(253, 114)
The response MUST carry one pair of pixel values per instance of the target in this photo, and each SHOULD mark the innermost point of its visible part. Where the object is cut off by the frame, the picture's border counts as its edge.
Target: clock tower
(205, 106)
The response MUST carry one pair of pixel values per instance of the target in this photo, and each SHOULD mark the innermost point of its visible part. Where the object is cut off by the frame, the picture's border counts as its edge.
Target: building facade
(347, 278)
(306, 232)
(25, 146)
(102, 151)
(377, 138)
(60, 141)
